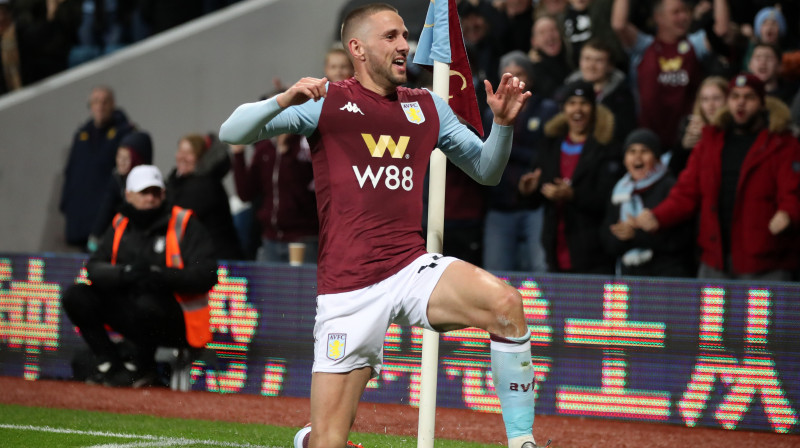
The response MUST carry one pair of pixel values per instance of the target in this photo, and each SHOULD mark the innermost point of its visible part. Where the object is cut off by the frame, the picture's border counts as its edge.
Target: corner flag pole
(430, 339)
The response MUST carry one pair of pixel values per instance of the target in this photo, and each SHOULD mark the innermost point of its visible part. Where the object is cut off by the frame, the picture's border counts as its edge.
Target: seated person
(149, 282)
(646, 184)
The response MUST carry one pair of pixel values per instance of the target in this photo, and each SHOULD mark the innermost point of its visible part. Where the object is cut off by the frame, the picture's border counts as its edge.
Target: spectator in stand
(9, 51)
(765, 63)
(464, 212)
(666, 68)
(513, 228)
(709, 100)
(585, 20)
(149, 283)
(743, 181)
(105, 27)
(646, 184)
(161, 15)
(482, 44)
(574, 176)
(91, 160)
(516, 30)
(610, 85)
(196, 183)
(549, 8)
(337, 65)
(550, 64)
(769, 27)
(577, 22)
(36, 38)
(280, 183)
(134, 149)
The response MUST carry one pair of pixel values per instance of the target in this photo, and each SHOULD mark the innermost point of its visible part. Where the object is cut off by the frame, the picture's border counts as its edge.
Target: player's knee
(508, 306)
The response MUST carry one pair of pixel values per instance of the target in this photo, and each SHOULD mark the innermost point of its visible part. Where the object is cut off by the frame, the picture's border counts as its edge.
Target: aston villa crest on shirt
(413, 112)
(336, 345)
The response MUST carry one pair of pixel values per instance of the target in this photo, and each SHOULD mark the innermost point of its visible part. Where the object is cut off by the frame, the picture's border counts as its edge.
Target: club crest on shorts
(336, 345)
(413, 112)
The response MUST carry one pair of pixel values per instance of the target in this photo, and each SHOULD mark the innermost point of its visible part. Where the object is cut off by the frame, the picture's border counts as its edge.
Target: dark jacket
(549, 73)
(88, 173)
(525, 148)
(202, 192)
(282, 187)
(114, 198)
(145, 244)
(769, 180)
(599, 167)
(673, 250)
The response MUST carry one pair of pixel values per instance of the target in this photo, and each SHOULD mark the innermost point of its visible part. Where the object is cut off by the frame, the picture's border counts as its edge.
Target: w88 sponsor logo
(393, 177)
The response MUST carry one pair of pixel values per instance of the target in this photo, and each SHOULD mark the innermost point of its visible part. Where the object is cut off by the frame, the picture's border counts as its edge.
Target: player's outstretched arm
(252, 122)
(302, 91)
(508, 100)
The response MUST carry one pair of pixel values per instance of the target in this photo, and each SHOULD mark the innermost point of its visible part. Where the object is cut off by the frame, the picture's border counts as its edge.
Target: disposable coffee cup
(296, 253)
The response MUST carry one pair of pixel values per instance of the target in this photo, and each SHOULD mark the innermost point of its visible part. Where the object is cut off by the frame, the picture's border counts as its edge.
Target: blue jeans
(512, 241)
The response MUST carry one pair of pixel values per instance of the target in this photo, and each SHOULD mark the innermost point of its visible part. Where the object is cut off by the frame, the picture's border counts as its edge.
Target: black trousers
(146, 320)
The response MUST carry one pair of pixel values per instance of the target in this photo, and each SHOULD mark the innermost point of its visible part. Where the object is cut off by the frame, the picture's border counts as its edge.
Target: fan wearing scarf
(646, 183)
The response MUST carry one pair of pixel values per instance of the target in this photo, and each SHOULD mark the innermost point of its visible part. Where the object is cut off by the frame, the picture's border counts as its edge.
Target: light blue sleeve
(252, 122)
(482, 161)
(643, 41)
(699, 43)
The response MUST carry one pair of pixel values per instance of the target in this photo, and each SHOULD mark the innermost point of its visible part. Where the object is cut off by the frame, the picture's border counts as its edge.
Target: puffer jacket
(769, 180)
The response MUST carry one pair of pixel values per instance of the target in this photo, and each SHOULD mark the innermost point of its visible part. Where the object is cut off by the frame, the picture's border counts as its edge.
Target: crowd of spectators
(644, 90)
(39, 38)
(657, 131)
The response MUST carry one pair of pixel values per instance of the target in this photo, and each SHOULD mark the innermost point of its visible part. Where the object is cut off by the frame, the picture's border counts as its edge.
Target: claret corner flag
(441, 40)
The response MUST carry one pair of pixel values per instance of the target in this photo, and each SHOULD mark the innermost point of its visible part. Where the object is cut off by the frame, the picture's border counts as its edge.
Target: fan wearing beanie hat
(572, 178)
(134, 149)
(646, 183)
(769, 25)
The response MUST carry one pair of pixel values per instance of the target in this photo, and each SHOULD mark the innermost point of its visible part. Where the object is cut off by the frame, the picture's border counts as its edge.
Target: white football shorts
(351, 326)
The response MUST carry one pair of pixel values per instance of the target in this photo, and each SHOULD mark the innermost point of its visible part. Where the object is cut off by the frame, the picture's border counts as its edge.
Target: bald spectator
(89, 167)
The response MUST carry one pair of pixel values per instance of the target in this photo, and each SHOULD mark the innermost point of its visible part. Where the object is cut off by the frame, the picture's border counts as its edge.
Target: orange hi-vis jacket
(195, 306)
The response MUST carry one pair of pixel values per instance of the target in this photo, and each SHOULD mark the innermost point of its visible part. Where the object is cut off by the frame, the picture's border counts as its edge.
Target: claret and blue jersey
(370, 154)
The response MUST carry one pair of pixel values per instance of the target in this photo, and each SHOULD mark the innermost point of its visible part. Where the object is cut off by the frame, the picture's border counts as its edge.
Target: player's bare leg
(467, 296)
(334, 402)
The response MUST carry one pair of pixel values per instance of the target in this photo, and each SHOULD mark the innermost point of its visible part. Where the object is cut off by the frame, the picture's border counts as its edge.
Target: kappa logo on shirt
(351, 107)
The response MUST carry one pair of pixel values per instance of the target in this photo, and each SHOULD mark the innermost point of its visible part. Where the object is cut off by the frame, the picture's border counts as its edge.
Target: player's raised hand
(508, 100)
(302, 91)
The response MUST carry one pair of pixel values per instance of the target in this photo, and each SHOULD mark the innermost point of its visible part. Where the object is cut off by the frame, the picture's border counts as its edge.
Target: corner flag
(441, 40)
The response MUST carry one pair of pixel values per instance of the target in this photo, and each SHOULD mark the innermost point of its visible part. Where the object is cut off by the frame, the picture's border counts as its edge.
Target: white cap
(142, 177)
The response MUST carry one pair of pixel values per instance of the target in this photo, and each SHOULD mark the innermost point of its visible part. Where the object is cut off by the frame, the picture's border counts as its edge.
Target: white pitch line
(156, 440)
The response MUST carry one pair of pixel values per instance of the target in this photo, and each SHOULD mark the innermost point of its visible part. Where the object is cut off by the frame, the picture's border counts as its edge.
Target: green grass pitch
(22, 426)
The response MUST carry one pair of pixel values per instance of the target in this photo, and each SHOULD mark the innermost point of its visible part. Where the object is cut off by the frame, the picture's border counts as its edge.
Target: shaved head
(351, 25)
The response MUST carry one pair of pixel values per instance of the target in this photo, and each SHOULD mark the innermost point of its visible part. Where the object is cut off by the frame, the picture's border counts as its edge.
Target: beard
(385, 71)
